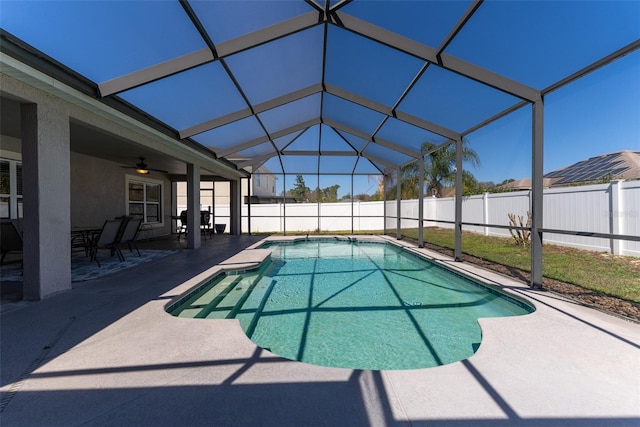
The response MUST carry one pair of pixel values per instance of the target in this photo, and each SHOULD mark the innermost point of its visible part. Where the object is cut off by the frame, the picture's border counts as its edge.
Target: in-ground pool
(353, 304)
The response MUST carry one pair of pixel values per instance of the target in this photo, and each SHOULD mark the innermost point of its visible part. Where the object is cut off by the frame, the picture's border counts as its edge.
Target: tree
(439, 168)
(470, 185)
(329, 194)
(363, 197)
(300, 190)
(324, 195)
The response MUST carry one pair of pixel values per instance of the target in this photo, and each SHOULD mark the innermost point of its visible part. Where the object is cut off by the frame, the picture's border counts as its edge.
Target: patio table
(83, 235)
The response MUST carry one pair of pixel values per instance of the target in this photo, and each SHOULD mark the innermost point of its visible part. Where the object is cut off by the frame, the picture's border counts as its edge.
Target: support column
(352, 197)
(235, 208)
(174, 206)
(421, 202)
(283, 216)
(47, 201)
(384, 204)
(249, 205)
(457, 252)
(193, 206)
(537, 194)
(398, 204)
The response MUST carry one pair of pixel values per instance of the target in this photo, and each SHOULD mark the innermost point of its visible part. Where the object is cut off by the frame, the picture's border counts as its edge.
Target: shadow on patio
(152, 251)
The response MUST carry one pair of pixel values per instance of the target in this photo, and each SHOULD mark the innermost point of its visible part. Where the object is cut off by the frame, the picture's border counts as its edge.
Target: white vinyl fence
(604, 208)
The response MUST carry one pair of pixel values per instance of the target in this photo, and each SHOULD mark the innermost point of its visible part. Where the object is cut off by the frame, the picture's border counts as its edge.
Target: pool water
(354, 305)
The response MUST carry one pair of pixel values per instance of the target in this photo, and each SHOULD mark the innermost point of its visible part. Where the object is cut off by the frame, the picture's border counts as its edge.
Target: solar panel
(591, 169)
(619, 171)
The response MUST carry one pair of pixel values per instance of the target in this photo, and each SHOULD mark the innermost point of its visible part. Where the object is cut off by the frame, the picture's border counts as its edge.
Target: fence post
(485, 209)
(616, 225)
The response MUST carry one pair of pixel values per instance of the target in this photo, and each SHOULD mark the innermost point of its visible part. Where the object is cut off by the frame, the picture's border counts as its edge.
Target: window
(145, 200)
(257, 175)
(10, 189)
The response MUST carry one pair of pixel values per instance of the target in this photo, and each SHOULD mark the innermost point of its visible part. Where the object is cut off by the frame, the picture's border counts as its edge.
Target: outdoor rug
(82, 269)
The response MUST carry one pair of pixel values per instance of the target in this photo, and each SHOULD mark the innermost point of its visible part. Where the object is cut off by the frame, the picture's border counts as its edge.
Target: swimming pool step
(251, 282)
(216, 290)
(215, 295)
(193, 308)
(233, 300)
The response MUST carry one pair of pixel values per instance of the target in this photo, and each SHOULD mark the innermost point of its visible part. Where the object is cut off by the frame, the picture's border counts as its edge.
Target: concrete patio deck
(106, 353)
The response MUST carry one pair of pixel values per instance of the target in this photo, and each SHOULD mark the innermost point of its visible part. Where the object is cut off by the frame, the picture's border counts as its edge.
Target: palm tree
(439, 168)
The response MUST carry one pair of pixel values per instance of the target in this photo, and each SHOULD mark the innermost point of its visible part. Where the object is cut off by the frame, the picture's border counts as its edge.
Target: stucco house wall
(98, 197)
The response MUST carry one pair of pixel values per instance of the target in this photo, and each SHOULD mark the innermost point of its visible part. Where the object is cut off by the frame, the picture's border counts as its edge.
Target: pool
(353, 304)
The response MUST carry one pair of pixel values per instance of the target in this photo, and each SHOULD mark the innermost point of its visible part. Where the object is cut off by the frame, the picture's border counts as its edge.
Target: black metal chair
(183, 224)
(129, 234)
(205, 223)
(107, 239)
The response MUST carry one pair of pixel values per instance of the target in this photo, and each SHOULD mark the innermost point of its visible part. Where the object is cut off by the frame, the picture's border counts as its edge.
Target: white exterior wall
(268, 184)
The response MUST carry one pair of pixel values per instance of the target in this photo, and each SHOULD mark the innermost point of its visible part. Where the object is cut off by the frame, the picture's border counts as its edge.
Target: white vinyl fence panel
(500, 205)
(473, 211)
(584, 208)
(605, 208)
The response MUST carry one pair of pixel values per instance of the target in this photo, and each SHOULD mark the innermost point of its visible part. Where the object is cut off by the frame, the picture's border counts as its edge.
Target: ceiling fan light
(142, 171)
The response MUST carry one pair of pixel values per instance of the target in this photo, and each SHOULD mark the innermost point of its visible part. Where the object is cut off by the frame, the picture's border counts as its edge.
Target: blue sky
(597, 114)
(537, 43)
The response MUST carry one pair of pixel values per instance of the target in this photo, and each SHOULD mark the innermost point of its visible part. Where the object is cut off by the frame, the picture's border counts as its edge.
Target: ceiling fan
(142, 168)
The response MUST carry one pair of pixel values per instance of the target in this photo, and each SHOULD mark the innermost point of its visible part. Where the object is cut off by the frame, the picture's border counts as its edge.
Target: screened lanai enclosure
(341, 110)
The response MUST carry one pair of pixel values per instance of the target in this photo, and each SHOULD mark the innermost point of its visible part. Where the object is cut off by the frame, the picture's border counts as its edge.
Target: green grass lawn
(613, 275)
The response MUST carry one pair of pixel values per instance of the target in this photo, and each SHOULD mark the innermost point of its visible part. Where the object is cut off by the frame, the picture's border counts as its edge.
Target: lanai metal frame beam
(248, 112)
(275, 135)
(209, 54)
(311, 90)
(430, 54)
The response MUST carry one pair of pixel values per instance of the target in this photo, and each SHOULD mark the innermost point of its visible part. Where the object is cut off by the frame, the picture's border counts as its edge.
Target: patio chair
(106, 239)
(183, 224)
(205, 226)
(205, 223)
(11, 238)
(129, 234)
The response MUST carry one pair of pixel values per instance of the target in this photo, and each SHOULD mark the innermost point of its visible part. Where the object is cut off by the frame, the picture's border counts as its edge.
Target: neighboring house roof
(619, 165)
(523, 184)
(447, 192)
